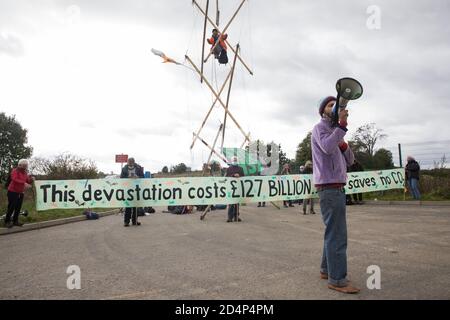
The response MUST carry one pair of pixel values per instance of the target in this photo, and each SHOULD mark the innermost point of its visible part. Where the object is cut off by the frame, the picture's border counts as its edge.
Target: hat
(324, 103)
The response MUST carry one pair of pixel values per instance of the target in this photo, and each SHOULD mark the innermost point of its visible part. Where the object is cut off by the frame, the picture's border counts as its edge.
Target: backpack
(90, 215)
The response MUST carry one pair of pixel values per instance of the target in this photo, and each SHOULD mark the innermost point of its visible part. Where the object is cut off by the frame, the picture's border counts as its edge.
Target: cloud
(11, 44)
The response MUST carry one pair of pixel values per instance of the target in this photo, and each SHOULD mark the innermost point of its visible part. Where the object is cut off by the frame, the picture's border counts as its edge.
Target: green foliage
(382, 160)
(13, 139)
(165, 169)
(303, 153)
(215, 166)
(62, 167)
(363, 144)
(179, 168)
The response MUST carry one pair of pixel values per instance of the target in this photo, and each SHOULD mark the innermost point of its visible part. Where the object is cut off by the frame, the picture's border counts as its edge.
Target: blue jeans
(334, 257)
(414, 188)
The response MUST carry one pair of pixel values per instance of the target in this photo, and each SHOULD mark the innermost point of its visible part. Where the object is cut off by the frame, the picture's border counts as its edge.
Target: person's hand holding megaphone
(343, 116)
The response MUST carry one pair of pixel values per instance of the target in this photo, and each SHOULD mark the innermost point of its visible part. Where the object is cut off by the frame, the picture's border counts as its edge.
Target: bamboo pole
(228, 99)
(214, 143)
(245, 140)
(209, 147)
(204, 37)
(217, 12)
(210, 110)
(216, 27)
(220, 100)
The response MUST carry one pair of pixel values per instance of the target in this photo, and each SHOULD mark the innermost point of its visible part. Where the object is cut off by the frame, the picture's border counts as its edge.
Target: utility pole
(400, 155)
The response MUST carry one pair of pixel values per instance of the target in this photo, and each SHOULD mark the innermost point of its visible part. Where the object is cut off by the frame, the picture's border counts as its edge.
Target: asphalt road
(272, 254)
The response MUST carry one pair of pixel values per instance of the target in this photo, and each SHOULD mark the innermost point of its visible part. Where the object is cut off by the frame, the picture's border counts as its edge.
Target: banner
(116, 193)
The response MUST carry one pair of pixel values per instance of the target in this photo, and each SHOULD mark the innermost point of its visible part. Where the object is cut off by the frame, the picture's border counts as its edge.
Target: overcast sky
(80, 76)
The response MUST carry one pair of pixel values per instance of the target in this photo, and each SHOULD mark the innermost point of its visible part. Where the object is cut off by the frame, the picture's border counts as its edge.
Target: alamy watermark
(74, 280)
(374, 20)
(374, 280)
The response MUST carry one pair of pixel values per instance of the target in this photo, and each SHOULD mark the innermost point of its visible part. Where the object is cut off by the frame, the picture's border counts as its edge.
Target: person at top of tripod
(219, 50)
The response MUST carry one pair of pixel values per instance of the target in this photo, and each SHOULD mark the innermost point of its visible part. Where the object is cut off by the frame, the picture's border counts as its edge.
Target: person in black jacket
(286, 171)
(412, 171)
(234, 170)
(131, 171)
(357, 167)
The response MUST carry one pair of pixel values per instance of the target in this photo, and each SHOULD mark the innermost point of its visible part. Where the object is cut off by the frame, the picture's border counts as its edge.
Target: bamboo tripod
(217, 95)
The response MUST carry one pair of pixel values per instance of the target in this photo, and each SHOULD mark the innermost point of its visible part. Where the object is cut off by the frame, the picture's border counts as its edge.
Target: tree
(304, 151)
(363, 144)
(382, 159)
(441, 164)
(179, 168)
(215, 166)
(165, 169)
(13, 140)
(283, 158)
(64, 166)
(366, 137)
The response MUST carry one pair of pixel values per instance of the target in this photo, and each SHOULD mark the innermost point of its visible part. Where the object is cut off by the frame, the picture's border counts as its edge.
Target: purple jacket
(329, 162)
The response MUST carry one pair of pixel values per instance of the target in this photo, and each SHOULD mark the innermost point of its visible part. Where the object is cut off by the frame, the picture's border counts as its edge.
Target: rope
(194, 25)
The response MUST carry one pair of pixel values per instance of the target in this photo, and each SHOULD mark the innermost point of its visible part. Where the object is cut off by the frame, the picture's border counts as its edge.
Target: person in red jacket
(20, 181)
(219, 50)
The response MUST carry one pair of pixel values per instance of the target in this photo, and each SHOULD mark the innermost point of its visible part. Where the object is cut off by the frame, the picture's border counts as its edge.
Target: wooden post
(212, 150)
(217, 12)
(204, 37)
(218, 98)
(228, 99)
(245, 140)
(214, 143)
(229, 45)
(210, 110)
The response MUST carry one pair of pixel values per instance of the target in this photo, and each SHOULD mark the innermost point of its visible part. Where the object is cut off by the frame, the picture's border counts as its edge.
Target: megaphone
(348, 89)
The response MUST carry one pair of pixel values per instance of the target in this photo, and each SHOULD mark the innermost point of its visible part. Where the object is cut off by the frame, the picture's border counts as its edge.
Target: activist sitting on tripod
(131, 171)
(219, 50)
(17, 183)
(234, 170)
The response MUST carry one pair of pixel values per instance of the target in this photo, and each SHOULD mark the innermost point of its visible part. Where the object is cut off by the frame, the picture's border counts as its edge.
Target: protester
(19, 181)
(348, 197)
(234, 170)
(220, 50)
(131, 171)
(301, 171)
(261, 172)
(285, 171)
(357, 167)
(331, 156)
(412, 171)
(308, 169)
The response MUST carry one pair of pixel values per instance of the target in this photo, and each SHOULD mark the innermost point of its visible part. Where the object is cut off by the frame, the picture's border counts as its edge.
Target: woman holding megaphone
(331, 156)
